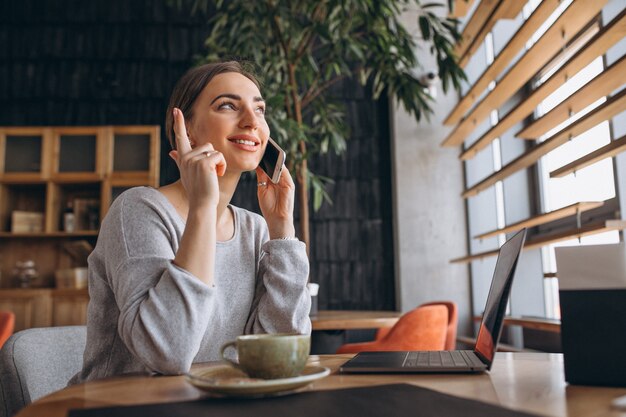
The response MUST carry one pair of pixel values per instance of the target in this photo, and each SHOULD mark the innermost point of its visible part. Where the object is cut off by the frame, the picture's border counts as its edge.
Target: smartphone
(273, 160)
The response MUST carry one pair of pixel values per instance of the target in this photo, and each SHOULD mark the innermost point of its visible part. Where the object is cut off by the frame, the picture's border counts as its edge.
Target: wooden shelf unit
(42, 169)
(608, 109)
(577, 15)
(504, 58)
(544, 240)
(615, 147)
(544, 218)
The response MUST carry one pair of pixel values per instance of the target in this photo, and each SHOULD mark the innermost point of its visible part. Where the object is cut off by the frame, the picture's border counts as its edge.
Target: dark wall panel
(70, 62)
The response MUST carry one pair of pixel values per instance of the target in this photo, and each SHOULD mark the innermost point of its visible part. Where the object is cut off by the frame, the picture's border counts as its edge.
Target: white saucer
(226, 380)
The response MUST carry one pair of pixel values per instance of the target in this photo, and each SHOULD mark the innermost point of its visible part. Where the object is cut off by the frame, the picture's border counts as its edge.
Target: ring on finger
(208, 153)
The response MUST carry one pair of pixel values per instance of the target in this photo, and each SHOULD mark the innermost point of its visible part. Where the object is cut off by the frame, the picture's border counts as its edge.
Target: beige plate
(226, 380)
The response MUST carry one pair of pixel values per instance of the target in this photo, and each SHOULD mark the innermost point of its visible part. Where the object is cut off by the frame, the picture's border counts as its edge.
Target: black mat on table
(396, 400)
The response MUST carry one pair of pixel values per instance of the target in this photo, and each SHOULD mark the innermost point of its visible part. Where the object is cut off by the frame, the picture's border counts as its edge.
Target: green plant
(304, 47)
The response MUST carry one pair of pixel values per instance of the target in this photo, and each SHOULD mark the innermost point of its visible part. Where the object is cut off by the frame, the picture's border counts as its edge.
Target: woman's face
(230, 114)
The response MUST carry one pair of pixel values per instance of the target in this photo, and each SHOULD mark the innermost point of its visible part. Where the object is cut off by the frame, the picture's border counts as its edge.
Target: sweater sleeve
(282, 301)
(163, 308)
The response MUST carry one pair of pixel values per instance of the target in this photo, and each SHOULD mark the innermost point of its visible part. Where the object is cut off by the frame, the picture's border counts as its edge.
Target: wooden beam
(540, 241)
(602, 85)
(610, 108)
(475, 23)
(504, 10)
(544, 218)
(573, 19)
(512, 48)
(598, 45)
(615, 147)
(460, 8)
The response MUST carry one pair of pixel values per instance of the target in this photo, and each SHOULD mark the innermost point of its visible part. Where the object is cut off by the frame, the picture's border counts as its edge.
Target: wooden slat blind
(615, 147)
(602, 85)
(574, 39)
(504, 58)
(471, 41)
(460, 7)
(540, 241)
(476, 21)
(573, 19)
(544, 218)
(610, 108)
(598, 45)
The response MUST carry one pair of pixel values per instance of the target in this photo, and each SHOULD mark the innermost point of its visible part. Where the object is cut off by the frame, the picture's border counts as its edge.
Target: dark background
(115, 62)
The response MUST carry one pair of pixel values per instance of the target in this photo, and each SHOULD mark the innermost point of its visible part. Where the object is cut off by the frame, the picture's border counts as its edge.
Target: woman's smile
(245, 142)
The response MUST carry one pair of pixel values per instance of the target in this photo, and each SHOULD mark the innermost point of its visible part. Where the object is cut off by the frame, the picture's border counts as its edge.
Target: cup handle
(232, 362)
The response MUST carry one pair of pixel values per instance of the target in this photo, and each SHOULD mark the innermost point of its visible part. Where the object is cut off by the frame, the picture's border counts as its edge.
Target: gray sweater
(147, 315)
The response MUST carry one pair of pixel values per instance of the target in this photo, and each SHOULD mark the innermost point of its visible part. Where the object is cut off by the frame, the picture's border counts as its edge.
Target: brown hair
(189, 87)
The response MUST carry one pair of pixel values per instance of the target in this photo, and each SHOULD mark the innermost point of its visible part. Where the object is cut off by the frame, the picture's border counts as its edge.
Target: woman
(178, 271)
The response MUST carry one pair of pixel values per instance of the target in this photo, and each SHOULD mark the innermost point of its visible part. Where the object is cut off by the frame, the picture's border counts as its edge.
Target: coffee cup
(270, 356)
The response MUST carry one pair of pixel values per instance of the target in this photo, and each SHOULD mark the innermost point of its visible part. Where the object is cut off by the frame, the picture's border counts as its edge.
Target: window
(518, 73)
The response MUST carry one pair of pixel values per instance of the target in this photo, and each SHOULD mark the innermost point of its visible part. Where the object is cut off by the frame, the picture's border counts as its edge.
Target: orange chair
(453, 321)
(423, 328)
(7, 323)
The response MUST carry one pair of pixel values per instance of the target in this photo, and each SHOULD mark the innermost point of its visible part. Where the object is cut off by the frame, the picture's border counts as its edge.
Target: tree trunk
(303, 199)
(302, 172)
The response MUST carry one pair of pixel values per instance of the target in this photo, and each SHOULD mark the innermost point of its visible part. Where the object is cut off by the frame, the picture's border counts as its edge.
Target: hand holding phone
(273, 160)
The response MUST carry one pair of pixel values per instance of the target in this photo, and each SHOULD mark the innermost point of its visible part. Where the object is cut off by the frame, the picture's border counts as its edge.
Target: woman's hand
(199, 167)
(277, 202)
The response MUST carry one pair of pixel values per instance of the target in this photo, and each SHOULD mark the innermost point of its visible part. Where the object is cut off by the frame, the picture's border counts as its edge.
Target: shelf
(573, 19)
(602, 85)
(481, 23)
(544, 218)
(615, 147)
(540, 241)
(517, 42)
(46, 171)
(608, 109)
(76, 177)
(85, 233)
(21, 178)
(460, 8)
(536, 323)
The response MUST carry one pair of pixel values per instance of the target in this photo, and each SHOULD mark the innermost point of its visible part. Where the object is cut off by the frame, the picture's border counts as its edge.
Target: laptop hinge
(482, 358)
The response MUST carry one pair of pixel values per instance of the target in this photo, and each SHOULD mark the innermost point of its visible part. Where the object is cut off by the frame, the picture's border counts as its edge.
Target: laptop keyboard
(447, 359)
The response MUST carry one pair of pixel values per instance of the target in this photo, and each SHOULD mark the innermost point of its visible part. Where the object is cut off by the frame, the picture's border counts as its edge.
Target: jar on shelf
(25, 273)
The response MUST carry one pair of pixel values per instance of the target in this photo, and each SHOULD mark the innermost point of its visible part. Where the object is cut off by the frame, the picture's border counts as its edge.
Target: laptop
(455, 361)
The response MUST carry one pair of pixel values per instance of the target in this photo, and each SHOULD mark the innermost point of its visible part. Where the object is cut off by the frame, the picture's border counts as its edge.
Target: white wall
(429, 212)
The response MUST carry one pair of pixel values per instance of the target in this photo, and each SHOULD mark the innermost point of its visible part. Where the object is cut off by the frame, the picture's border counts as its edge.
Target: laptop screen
(491, 324)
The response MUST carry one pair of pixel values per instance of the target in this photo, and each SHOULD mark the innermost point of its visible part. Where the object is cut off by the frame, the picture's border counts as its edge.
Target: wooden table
(347, 320)
(532, 382)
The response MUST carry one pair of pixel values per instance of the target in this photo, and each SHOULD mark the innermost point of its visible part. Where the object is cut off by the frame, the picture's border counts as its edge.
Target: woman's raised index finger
(180, 132)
